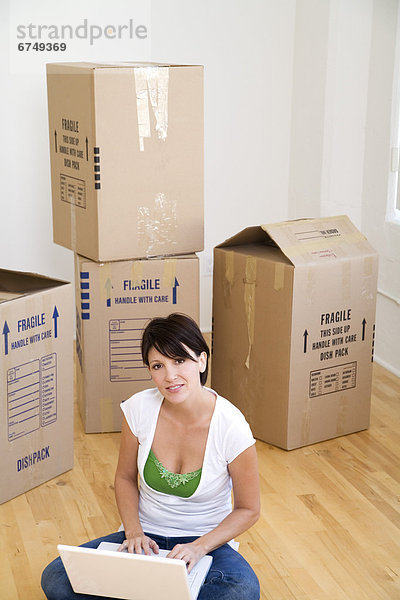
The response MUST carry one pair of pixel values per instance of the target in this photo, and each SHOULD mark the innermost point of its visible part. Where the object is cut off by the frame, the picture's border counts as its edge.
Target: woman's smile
(175, 387)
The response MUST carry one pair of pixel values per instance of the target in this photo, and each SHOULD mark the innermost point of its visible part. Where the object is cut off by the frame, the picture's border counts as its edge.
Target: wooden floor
(330, 524)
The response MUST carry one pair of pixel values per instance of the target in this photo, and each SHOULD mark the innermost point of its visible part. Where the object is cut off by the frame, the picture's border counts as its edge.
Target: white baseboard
(387, 366)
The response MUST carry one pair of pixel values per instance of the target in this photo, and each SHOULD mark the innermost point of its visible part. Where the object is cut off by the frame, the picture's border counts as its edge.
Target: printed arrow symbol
(55, 317)
(174, 291)
(305, 335)
(6, 331)
(55, 140)
(87, 149)
(364, 322)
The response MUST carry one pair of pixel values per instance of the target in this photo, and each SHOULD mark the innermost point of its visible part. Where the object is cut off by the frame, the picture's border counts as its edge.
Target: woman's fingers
(154, 546)
(139, 545)
(190, 553)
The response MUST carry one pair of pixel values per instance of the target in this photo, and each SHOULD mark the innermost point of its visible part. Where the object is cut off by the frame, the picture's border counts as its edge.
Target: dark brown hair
(169, 335)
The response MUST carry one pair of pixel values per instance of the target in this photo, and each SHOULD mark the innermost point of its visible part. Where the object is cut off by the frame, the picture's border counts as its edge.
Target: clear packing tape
(169, 272)
(227, 281)
(157, 225)
(73, 226)
(250, 301)
(152, 87)
(249, 283)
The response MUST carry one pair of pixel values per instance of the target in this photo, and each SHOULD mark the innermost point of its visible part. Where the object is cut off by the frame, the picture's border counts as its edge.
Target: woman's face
(177, 378)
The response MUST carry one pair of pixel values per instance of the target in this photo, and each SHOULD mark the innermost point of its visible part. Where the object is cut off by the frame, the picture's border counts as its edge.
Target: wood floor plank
(329, 528)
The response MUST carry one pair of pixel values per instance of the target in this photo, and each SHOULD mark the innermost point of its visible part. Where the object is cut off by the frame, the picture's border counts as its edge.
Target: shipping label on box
(300, 298)
(115, 301)
(37, 380)
(126, 150)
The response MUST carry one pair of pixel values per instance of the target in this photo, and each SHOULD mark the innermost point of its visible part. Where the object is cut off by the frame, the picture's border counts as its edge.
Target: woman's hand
(191, 553)
(136, 543)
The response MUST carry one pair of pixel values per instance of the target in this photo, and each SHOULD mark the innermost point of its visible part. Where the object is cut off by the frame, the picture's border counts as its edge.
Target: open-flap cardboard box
(293, 328)
(36, 374)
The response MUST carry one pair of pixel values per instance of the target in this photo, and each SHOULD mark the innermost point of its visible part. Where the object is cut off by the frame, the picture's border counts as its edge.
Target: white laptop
(106, 572)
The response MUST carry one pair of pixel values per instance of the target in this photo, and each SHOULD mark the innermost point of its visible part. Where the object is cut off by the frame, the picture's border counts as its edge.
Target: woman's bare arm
(127, 494)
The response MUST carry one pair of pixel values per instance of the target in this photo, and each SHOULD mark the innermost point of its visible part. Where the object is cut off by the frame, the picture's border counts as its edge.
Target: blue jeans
(230, 576)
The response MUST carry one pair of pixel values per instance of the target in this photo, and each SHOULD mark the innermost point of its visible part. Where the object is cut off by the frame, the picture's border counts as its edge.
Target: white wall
(332, 47)
(342, 132)
(26, 236)
(297, 123)
(247, 52)
(25, 206)
(384, 234)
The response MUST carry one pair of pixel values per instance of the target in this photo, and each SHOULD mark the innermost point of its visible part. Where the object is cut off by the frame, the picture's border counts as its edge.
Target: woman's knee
(230, 578)
(55, 582)
(230, 587)
(251, 587)
(243, 586)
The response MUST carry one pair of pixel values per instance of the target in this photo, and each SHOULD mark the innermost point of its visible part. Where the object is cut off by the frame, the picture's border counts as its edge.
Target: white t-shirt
(171, 516)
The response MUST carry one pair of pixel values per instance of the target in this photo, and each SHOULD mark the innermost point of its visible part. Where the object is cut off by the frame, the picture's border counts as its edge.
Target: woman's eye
(156, 367)
(179, 361)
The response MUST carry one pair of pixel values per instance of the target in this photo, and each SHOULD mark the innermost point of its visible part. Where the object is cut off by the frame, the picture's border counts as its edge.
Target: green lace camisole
(162, 480)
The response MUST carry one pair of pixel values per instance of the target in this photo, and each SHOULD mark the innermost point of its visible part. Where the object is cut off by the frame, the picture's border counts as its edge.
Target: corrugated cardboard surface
(115, 300)
(126, 150)
(293, 328)
(37, 381)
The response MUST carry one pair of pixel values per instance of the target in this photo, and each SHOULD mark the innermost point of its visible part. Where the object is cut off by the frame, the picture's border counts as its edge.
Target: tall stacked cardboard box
(126, 146)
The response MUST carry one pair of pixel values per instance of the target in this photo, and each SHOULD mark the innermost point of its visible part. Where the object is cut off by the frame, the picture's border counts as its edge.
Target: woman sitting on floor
(190, 448)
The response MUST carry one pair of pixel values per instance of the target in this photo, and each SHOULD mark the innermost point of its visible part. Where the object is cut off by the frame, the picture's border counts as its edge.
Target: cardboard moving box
(293, 328)
(115, 300)
(37, 380)
(126, 150)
